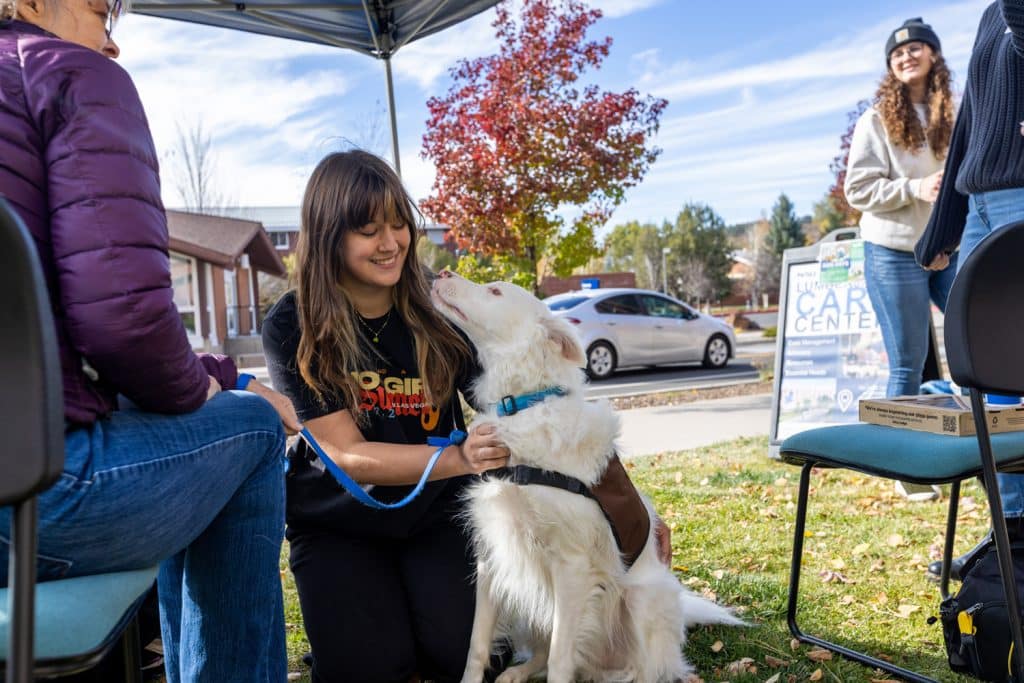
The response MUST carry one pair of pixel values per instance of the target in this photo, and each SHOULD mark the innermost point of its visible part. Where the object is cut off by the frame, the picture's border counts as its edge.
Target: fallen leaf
(847, 600)
(679, 477)
(829, 576)
(819, 655)
(838, 563)
(861, 549)
(895, 540)
(773, 679)
(718, 574)
(906, 610)
(741, 666)
(794, 644)
(816, 676)
(717, 647)
(774, 662)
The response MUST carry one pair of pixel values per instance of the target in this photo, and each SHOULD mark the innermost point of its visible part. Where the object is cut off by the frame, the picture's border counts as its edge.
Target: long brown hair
(901, 121)
(346, 191)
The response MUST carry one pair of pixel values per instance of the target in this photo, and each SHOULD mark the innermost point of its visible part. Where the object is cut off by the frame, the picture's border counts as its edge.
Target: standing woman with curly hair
(893, 176)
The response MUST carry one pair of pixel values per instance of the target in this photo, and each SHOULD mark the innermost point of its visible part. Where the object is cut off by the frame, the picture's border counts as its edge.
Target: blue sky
(758, 94)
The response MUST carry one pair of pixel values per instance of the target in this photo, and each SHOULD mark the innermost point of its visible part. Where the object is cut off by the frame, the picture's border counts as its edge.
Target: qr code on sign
(949, 423)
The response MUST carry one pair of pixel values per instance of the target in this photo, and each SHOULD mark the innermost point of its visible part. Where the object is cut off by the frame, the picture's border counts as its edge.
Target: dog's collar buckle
(510, 405)
(507, 405)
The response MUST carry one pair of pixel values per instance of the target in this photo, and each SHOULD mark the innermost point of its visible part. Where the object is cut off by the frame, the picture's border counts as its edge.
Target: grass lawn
(731, 510)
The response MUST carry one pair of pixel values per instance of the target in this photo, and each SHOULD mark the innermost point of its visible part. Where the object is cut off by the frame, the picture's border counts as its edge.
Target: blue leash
(349, 484)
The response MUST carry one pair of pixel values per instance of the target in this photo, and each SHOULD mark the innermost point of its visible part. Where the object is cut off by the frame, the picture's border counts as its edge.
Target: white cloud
(426, 61)
(621, 8)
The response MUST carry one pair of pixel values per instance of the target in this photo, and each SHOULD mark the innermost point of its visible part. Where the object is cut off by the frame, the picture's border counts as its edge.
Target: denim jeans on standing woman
(200, 494)
(901, 293)
(989, 211)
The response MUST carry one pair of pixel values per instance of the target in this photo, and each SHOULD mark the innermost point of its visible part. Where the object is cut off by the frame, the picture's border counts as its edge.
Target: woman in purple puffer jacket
(190, 476)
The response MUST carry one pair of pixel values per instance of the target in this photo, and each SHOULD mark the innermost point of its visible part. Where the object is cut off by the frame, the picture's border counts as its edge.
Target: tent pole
(394, 120)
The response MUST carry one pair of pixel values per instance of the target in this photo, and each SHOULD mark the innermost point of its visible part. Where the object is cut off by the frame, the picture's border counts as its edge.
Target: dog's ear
(564, 338)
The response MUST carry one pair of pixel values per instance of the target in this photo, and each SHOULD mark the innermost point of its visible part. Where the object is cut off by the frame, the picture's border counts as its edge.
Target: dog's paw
(514, 674)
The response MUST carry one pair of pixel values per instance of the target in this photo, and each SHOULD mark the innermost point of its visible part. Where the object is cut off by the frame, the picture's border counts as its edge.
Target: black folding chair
(984, 347)
(58, 627)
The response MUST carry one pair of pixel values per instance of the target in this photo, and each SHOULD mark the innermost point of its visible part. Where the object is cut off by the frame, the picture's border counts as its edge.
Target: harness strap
(614, 494)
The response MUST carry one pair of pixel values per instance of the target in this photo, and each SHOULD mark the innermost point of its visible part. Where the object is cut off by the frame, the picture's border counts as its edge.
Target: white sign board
(830, 353)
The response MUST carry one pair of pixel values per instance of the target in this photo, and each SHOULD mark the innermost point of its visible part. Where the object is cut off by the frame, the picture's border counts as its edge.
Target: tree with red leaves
(517, 143)
(838, 166)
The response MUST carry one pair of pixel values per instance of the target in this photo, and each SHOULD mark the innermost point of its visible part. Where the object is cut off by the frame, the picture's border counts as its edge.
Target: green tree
(434, 257)
(828, 216)
(699, 254)
(784, 231)
(636, 247)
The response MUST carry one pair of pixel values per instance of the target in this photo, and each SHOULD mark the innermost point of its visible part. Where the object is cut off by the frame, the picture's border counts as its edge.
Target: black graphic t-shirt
(391, 396)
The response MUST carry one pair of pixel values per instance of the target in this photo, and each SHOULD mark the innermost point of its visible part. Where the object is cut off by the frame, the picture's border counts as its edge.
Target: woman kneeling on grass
(190, 476)
(373, 370)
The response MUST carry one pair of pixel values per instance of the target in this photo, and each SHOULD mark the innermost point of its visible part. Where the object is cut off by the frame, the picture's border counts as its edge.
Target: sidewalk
(646, 431)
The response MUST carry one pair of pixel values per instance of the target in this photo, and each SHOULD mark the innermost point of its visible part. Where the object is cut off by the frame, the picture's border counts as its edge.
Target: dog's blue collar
(510, 405)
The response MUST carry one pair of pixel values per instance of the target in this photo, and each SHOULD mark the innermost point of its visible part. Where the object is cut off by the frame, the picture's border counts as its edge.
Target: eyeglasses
(912, 49)
(114, 8)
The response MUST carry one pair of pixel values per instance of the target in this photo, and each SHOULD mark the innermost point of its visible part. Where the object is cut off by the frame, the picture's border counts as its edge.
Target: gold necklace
(375, 335)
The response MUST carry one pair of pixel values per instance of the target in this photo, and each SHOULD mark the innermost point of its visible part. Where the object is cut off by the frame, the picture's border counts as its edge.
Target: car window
(663, 308)
(625, 304)
(565, 303)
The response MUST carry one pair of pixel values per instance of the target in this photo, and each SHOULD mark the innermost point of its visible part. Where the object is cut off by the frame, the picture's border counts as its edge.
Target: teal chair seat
(903, 454)
(76, 618)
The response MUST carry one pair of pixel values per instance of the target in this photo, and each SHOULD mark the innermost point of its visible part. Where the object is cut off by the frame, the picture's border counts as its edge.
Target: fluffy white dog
(548, 562)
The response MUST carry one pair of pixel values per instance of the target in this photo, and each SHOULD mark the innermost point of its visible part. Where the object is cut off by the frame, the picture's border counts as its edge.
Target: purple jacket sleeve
(109, 234)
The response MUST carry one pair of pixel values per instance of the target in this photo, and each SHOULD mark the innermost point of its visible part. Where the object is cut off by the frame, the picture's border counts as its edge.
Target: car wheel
(716, 353)
(600, 361)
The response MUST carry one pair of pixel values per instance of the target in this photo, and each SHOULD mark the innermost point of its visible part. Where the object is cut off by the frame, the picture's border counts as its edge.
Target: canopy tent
(378, 28)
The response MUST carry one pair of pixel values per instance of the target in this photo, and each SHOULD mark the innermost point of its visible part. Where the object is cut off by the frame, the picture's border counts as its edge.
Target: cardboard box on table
(939, 414)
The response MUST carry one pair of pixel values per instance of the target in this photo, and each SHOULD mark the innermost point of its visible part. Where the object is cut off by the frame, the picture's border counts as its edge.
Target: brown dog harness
(614, 493)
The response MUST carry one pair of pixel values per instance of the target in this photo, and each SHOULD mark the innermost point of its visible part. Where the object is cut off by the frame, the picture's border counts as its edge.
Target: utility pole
(664, 270)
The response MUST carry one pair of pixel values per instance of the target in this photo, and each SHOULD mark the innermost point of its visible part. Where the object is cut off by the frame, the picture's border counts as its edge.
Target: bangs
(375, 197)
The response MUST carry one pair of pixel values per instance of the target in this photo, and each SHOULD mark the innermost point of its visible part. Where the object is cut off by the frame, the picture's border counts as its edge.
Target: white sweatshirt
(884, 181)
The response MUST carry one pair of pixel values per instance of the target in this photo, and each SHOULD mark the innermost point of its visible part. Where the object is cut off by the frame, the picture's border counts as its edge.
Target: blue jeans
(900, 292)
(988, 211)
(203, 496)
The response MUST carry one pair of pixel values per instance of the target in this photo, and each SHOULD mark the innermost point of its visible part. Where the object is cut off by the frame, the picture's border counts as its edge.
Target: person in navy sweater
(983, 188)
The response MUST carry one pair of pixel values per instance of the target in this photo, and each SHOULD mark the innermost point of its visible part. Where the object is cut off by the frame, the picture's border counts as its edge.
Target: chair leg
(21, 597)
(794, 586)
(131, 652)
(999, 532)
(947, 549)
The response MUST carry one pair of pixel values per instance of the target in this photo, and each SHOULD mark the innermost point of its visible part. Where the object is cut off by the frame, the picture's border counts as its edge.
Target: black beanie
(911, 30)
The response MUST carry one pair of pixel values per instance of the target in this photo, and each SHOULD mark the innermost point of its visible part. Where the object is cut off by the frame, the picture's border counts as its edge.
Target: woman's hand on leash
(284, 407)
(483, 450)
(663, 540)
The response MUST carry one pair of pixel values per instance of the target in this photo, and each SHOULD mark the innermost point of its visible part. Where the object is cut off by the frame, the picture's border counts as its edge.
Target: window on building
(279, 239)
(186, 292)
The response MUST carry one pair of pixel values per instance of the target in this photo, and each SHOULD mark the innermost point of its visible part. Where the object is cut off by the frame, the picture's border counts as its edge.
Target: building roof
(222, 241)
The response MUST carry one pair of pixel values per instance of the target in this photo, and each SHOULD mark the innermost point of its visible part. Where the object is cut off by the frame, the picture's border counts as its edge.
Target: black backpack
(975, 623)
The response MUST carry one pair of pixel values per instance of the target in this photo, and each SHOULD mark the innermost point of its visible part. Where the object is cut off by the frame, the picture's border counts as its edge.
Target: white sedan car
(638, 327)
